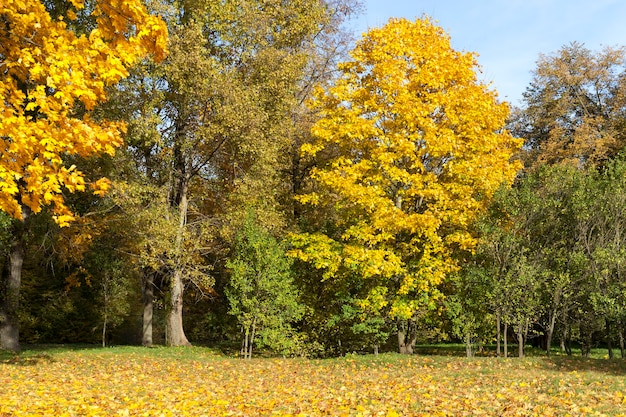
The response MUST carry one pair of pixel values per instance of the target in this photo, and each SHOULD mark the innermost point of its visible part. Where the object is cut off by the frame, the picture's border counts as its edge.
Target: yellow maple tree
(419, 148)
(50, 77)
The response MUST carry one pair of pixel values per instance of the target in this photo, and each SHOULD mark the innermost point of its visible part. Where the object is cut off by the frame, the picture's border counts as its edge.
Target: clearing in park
(130, 381)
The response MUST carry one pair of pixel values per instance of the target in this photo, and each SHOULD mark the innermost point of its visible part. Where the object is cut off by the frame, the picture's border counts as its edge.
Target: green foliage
(261, 291)
(5, 232)
(468, 309)
(552, 249)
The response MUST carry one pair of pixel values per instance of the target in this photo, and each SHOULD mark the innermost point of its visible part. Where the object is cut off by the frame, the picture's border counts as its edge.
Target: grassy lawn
(133, 381)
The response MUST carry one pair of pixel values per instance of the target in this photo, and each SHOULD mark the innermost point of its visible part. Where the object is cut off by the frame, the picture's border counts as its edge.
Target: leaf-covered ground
(199, 382)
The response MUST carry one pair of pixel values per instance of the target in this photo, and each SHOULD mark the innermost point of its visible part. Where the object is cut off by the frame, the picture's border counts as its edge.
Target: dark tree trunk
(506, 347)
(10, 286)
(407, 337)
(621, 341)
(550, 333)
(586, 335)
(567, 339)
(9, 305)
(148, 307)
(609, 343)
(252, 335)
(498, 335)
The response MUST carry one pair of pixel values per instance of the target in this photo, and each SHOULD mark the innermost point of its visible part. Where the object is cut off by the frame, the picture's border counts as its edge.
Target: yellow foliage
(420, 149)
(101, 186)
(45, 72)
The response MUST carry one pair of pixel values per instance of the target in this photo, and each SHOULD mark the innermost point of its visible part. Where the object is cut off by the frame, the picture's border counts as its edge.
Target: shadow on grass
(10, 358)
(36, 354)
(451, 349)
(599, 362)
(615, 367)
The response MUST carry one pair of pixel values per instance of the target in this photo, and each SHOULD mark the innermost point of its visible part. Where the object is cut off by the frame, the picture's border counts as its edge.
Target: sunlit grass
(135, 381)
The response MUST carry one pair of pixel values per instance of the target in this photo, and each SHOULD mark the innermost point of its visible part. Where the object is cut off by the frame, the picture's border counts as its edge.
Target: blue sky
(509, 35)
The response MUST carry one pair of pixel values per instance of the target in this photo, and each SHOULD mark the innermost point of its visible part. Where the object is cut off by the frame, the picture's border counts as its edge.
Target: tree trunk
(566, 337)
(340, 345)
(104, 330)
(621, 342)
(469, 352)
(498, 335)
(550, 334)
(252, 334)
(105, 318)
(406, 337)
(520, 342)
(609, 344)
(506, 348)
(402, 348)
(586, 339)
(10, 286)
(148, 307)
(244, 342)
(175, 333)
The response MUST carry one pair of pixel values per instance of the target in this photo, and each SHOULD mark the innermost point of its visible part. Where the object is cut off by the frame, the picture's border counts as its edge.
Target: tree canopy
(418, 148)
(51, 77)
(384, 176)
(573, 109)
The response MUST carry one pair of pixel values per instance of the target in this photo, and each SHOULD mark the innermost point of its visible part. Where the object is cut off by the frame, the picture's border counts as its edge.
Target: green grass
(33, 353)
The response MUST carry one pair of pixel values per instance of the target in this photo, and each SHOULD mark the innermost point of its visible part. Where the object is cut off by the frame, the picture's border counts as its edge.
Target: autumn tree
(573, 109)
(420, 148)
(50, 78)
(330, 46)
(210, 130)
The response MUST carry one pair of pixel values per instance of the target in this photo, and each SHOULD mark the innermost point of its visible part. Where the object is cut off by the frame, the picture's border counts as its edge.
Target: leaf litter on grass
(110, 383)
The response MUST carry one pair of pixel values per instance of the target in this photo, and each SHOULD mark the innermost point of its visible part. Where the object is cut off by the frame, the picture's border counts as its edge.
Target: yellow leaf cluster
(47, 72)
(420, 148)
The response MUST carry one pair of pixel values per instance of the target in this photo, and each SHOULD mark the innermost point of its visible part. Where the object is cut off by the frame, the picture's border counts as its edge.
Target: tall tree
(420, 148)
(50, 78)
(573, 110)
(215, 128)
(600, 206)
(529, 249)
